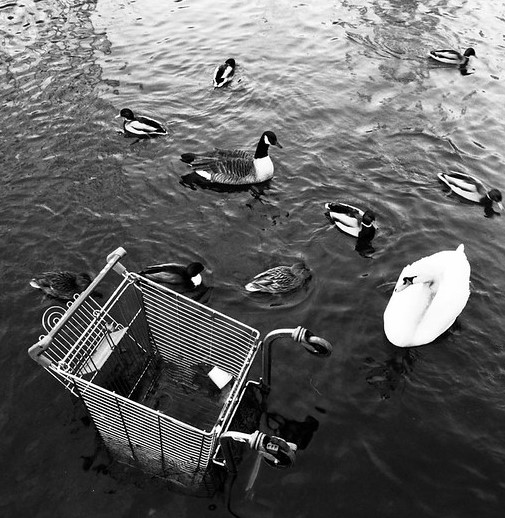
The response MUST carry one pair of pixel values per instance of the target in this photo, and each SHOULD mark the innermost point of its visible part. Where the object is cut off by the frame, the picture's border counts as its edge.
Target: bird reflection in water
(387, 376)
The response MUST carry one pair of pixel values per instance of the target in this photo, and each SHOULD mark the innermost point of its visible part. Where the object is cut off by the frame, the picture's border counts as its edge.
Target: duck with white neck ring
(452, 57)
(235, 167)
(428, 297)
(352, 220)
(473, 189)
(355, 222)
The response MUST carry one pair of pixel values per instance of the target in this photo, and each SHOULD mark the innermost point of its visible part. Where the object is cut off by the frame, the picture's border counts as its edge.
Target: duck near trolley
(428, 297)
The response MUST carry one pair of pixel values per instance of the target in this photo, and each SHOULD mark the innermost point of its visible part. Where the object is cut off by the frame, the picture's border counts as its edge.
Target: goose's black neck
(261, 148)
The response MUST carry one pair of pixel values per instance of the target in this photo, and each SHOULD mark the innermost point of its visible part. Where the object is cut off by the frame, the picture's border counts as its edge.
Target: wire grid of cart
(141, 363)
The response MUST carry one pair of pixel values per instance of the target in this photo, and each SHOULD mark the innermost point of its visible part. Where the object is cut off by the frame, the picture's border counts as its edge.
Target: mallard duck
(429, 295)
(223, 74)
(280, 279)
(235, 167)
(140, 127)
(452, 57)
(351, 220)
(175, 276)
(472, 189)
(61, 285)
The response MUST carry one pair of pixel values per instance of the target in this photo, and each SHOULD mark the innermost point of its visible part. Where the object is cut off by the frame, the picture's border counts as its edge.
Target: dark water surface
(363, 117)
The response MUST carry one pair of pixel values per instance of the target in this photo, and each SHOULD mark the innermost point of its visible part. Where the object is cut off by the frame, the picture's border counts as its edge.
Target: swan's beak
(406, 282)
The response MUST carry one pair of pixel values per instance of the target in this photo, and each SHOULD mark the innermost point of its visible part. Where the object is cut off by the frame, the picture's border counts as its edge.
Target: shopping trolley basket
(161, 375)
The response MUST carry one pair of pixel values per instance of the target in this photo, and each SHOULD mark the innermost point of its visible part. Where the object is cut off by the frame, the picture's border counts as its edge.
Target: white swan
(428, 297)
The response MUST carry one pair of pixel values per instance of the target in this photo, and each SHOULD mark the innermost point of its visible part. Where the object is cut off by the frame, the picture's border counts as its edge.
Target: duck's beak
(117, 116)
(500, 206)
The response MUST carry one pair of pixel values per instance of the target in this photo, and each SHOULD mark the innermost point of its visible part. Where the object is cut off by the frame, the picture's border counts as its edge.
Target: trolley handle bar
(274, 450)
(37, 350)
(313, 344)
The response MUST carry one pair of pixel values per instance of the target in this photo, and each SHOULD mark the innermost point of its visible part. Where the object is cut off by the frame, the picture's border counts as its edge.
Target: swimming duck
(472, 189)
(452, 57)
(175, 276)
(223, 74)
(235, 167)
(61, 285)
(351, 220)
(428, 297)
(280, 279)
(140, 127)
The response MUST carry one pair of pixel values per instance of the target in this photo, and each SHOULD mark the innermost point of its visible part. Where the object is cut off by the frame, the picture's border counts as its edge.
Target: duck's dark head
(270, 138)
(494, 197)
(83, 280)
(470, 52)
(368, 217)
(230, 62)
(195, 268)
(300, 268)
(127, 114)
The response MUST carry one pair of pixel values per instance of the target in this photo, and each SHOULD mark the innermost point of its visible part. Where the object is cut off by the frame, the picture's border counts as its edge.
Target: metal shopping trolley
(163, 376)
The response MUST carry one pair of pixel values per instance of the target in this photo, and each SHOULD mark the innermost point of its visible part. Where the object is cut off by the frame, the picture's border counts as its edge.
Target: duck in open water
(140, 126)
(355, 222)
(473, 189)
(452, 57)
(223, 74)
(280, 279)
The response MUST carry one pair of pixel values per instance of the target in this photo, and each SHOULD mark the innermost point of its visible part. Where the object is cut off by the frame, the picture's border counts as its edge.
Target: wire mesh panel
(108, 344)
(147, 438)
(192, 339)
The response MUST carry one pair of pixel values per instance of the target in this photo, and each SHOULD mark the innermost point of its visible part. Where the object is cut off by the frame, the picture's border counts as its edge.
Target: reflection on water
(362, 115)
(392, 374)
(297, 432)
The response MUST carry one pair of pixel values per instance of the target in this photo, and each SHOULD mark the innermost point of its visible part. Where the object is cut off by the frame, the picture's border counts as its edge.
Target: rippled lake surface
(363, 117)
